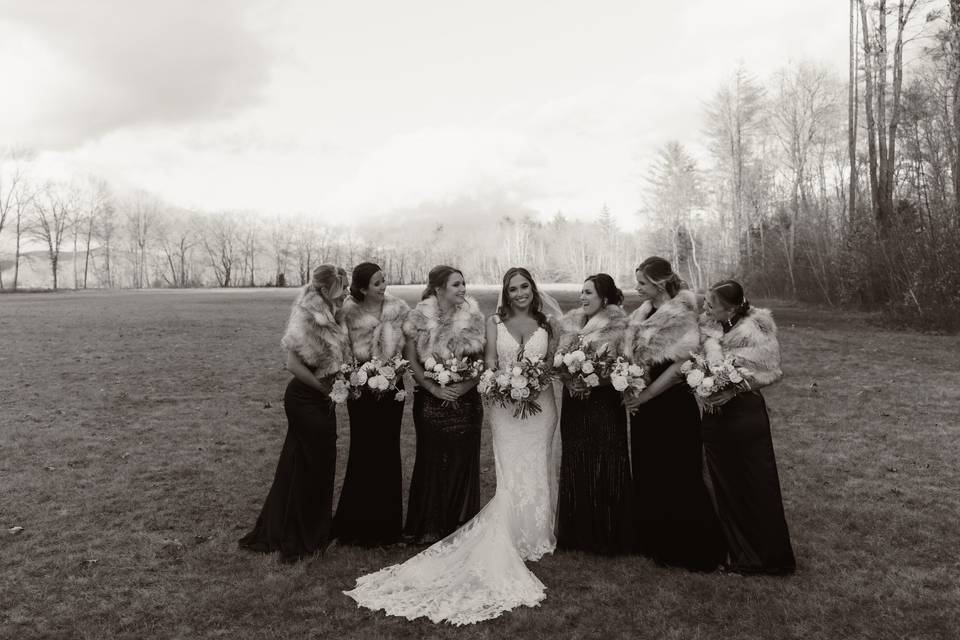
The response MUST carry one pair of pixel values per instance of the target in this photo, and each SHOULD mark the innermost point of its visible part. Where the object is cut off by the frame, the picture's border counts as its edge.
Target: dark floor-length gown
(370, 510)
(297, 515)
(675, 520)
(445, 487)
(744, 480)
(594, 507)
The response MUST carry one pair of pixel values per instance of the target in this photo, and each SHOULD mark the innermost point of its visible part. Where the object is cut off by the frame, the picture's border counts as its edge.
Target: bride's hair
(536, 305)
(437, 279)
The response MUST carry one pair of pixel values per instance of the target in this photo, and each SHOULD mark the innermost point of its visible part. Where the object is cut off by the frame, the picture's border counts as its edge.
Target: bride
(478, 572)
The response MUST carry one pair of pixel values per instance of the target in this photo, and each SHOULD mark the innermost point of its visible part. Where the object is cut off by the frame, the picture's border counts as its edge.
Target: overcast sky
(358, 108)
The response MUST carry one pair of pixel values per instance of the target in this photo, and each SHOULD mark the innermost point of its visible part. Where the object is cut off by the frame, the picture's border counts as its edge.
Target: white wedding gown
(478, 572)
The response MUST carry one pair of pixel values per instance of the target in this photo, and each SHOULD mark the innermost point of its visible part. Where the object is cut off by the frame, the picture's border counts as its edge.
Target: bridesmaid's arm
(490, 351)
(666, 380)
(416, 368)
(303, 374)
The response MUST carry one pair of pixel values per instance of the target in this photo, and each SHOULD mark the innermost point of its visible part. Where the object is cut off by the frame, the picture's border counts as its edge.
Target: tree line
(806, 185)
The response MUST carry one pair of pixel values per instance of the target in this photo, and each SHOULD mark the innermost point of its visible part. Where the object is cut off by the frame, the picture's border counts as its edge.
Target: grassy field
(139, 433)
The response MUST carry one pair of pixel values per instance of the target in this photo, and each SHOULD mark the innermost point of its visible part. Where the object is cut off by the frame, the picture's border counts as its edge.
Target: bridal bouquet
(626, 376)
(585, 363)
(706, 378)
(377, 377)
(518, 385)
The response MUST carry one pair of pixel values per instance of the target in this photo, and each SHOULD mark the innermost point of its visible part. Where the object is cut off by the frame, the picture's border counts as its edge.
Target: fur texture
(753, 343)
(670, 333)
(315, 335)
(457, 334)
(375, 337)
(607, 326)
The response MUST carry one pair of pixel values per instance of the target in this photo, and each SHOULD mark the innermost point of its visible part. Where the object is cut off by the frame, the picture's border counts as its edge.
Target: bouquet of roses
(377, 377)
(519, 385)
(341, 388)
(585, 363)
(444, 372)
(627, 377)
(707, 378)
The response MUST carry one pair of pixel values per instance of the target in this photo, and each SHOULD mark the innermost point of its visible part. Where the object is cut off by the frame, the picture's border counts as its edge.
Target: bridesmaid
(370, 511)
(296, 517)
(675, 520)
(445, 488)
(595, 497)
(736, 435)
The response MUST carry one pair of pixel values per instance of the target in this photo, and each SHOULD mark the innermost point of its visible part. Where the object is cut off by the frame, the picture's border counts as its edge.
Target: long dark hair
(362, 273)
(437, 279)
(606, 288)
(730, 293)
(658, 271)
(535, 306)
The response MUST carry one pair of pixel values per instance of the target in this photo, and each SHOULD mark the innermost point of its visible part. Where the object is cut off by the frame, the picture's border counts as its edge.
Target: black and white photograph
(548, 320)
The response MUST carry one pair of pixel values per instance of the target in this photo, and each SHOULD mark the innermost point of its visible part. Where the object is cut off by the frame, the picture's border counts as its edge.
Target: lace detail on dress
(478, 572)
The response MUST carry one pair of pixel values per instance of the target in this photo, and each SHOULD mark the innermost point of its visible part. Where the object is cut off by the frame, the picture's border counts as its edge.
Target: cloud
(86, 68)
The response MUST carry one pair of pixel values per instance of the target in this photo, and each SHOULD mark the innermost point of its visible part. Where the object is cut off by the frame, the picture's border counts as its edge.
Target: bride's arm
(490, 351)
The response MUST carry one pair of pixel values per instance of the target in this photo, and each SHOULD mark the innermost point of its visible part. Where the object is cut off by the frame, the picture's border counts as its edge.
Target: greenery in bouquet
(714, 382)
(584, 366)
(518, 385)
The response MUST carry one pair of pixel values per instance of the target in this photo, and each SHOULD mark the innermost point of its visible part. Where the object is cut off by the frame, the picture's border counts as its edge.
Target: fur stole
(605, 327)
(375, 337)
(668, 334)
(315, 335)
(457, 334)
(752, 342)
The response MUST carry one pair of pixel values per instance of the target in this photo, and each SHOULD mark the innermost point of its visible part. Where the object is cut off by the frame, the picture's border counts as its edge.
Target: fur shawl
(375, 337)
(752, 342)
(315, 335)
(605, 327)
(457, 334)
(668, 334)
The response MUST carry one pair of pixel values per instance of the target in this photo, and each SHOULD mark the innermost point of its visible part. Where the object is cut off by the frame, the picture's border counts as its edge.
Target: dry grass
(139, 434)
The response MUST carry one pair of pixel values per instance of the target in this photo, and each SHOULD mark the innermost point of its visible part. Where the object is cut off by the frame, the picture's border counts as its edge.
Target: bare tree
(140, 213)
(176, 234)
(221, 240)
(13, 185)
(54, 209)
(734, 120)
(881, 127)
(803, 102)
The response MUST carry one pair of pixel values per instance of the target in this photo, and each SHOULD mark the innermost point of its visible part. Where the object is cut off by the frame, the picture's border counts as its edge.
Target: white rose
(694, 378)
(524, 393)
(635, 370)
(587, 367)
(400, 396)
(708, 382)
(443, 378)
(686, 366)
(517, 371)
(735, 377)
(515, 394)
(518, 382)
(388, 372)
(437, 368)
(503, 380)
(619, 382)
(704, 392)
(557, 360)
(592, 380)
(579, 355)
(429, 364)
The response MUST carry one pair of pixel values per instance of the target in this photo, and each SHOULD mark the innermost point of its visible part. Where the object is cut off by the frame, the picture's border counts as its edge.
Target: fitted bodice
(508, 348)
